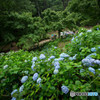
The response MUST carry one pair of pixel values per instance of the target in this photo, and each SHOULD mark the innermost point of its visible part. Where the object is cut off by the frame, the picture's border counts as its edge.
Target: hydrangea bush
(51, 74)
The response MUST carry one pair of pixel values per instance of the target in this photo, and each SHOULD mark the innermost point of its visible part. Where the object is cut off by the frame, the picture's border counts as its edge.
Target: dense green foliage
(20, 62)
(25, 18)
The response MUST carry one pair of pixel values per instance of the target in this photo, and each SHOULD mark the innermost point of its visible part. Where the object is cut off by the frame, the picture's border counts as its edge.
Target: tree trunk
(98, 3)
(37, 7)
(65, 3)
(59, 33)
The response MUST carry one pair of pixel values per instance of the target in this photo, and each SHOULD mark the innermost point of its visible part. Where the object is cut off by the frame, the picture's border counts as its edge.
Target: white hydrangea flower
(89, 30)
(6, 66)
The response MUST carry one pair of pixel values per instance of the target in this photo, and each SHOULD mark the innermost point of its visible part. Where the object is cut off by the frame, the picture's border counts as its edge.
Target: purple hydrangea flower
(64, 89)
(24, 78)
(64, 55)
(39, 80)
(91, 70)
(14, 91)
(93, 49)
(35, 76)
(56, 71)
(42, 56)
(34, 59)
(13, 98)
(21, 88)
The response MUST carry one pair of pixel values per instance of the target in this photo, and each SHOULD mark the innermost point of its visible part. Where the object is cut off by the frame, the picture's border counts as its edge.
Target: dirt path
(44, 41)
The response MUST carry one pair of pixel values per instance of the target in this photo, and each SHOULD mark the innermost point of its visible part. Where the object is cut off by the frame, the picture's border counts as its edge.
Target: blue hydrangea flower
(89, 30)
(82, 70)
(39, 80)
(73, 58)
(42, 56)
(63, 55)
(13, 98)
(81, 34)
(5, 66)
(91, 70)
(70, 58)
(61, 59)
(98, 68)
(24, 78)
(32, 67)
(98, 47)
(97, 28)
(93, 49)
(85, 61)
(57, 67)
(72, 39)
(97, 62)
(14, 91)
(92, 54)
(56, 71)
(35, 76)
(21, 88)
(34, 59)
(64, 89)
(56, 60)
(80, 43)
(55, 47)
(88, 57)
(56, 64)
(88, 62)
(52, 57)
